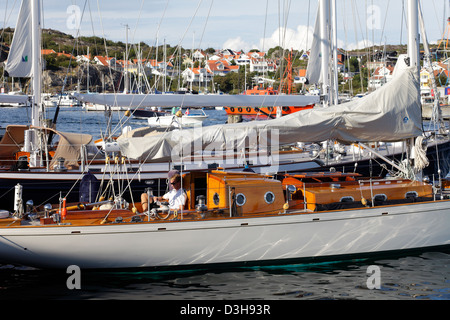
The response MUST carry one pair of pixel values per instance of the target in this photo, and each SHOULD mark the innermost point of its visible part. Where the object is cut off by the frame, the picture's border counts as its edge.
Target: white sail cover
(19, 63)
(391, 113)
(314, 68)
(195, 100)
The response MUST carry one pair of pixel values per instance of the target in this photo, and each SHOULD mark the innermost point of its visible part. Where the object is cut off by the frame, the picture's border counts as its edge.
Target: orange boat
(270, 111)
(263, 111)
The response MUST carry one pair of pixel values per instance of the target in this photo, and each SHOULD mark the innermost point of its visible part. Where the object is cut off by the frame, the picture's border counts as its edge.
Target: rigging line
(384, 23)
(104, 43)
(137, 21)
(308, 25)
(265, 26)
(360, 26)
(189, 26)
(206, 22)
(92, 27)
(6, 19)
(157, 31)
(286, 8)
(73, 52)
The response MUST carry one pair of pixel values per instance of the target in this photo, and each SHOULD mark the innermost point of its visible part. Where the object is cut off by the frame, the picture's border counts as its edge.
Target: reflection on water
(425, 276)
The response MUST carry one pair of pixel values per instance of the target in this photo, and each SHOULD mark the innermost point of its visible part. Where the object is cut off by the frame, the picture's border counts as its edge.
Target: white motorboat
(179, 119)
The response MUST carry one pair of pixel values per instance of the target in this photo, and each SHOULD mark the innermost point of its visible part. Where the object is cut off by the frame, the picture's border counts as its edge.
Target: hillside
(59, 67)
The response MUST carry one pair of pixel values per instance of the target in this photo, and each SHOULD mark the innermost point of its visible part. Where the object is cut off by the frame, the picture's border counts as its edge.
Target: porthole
(269, 197)
(380, 198)
(240, 199)
(411, 195)
(347, 199)
(216, 199)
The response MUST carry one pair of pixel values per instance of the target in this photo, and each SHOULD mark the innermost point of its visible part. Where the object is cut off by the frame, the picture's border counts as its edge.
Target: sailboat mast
(414, 58)
(413, 34)
(335, 55)
(325, 48)
(36, 62)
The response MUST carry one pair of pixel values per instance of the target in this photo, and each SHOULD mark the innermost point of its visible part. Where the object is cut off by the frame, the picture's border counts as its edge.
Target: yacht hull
(285, 237)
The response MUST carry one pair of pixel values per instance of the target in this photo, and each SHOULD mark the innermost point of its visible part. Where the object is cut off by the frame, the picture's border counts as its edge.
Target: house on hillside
(262, 65)
(380, 77)
(67, 55)
(242, 59)
(45, 52)
(197, 76)
(199, 55)
(83, 58)
(220, 67)
(108, 62)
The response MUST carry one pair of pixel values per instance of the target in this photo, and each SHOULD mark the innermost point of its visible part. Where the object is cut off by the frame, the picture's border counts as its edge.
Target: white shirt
(176, 198)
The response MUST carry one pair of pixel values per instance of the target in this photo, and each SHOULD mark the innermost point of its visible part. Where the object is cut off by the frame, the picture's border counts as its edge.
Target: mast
(126, 84)
(32, 143)
(36, 62)
(335, 90)
(324, 47)
(414, 60)
(413, 34)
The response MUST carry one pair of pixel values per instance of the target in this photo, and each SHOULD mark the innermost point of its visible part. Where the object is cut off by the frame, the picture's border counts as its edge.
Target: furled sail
(195, 100)
(392, 113)
(19, 63)
(314, 68)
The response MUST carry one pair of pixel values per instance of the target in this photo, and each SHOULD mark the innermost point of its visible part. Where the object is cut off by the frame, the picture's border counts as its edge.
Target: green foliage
(55, 62)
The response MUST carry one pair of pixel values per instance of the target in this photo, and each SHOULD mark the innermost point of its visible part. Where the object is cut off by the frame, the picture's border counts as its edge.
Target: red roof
(47, 51)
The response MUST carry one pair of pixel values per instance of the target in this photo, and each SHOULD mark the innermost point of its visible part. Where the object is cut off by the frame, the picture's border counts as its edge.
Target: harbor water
(419, 276)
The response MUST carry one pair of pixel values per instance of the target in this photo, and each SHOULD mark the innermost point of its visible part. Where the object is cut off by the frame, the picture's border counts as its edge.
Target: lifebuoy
(285, 109)
(240, 109)
(248, 109)
(232, 109)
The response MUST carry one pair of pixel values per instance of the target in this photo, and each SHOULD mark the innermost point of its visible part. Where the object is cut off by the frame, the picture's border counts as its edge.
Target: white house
(261, 65)
(380, 76)
(83, 58)
(242, 59)
(199, 55)
(197, 76)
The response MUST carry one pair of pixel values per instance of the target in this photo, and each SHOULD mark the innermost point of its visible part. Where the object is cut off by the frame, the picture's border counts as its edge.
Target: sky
(233, 24)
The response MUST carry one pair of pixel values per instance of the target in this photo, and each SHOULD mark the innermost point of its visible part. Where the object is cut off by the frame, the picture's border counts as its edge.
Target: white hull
(102, 107)
(238, 240)
(186, 120)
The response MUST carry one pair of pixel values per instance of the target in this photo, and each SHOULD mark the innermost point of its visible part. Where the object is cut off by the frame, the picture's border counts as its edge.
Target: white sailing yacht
(247, 218)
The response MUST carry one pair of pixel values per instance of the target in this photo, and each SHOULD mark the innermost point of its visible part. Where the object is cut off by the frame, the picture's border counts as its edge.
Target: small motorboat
(188, 118)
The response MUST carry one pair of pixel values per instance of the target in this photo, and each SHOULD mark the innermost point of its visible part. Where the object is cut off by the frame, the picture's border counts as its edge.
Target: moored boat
(264, 111)
(235, 218)
(190, 117)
